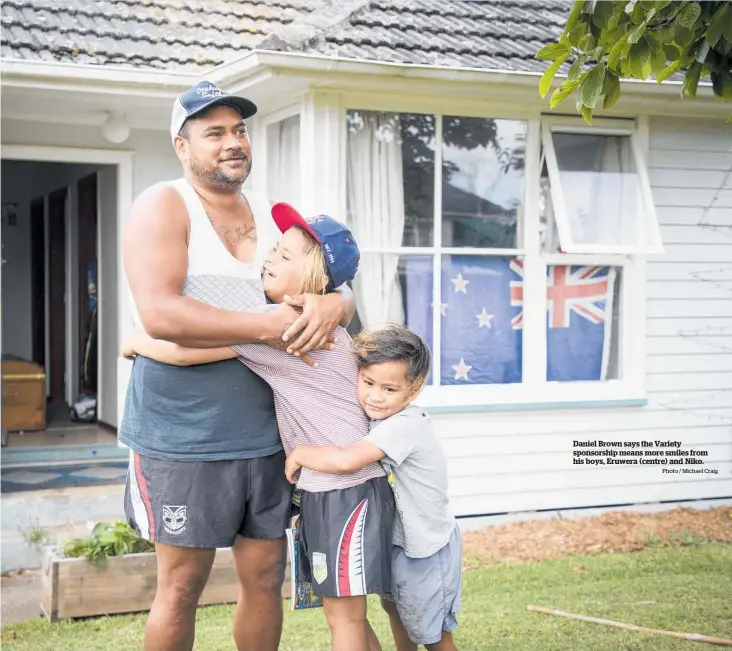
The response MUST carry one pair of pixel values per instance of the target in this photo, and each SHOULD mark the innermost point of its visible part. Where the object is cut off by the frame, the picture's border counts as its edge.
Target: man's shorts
(346, 539)
(427, 590)
(207, 503)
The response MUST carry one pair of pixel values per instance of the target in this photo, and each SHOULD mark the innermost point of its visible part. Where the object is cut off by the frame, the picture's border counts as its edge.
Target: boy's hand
(292, 468)
(129, 346)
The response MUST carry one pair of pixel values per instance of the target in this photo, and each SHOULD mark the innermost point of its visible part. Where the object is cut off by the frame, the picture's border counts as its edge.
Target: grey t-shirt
(419, 479)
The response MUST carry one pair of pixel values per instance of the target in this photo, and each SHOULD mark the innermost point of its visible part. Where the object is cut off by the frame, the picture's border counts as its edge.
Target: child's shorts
(427, 590)
(346, 539)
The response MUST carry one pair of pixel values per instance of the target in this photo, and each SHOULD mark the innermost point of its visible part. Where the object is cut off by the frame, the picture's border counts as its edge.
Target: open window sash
(641, 235)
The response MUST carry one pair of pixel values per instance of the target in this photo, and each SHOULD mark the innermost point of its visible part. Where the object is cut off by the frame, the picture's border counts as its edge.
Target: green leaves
(689, 14)
(691, 81)
(640, 60)
(107, 540)
(611, 91)
(592, 86)
(563, 92)
(548, 77)
(718, 24)
(609, 40)
(553, 51)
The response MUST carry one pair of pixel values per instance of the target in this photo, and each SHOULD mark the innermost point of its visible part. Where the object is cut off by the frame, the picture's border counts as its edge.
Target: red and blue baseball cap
(339, 246)
(202, 96)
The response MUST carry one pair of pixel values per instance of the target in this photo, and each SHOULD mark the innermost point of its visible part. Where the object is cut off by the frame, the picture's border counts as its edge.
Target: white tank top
(207, 255)
(214, 275)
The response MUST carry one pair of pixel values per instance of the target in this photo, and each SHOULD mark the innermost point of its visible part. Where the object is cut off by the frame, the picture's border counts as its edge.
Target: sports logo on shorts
(174, 519)
(319, 567)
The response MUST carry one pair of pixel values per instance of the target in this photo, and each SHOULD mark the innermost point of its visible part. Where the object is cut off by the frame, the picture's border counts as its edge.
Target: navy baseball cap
(339, 246)
(202, 96)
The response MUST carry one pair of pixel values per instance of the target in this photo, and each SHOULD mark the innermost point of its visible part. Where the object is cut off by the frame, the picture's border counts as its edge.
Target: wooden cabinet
(24, 396)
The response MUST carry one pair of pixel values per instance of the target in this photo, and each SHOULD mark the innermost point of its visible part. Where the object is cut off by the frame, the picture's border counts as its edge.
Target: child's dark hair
(394, 343)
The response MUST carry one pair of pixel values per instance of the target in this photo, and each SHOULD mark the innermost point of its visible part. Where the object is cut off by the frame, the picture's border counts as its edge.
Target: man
(206, 463)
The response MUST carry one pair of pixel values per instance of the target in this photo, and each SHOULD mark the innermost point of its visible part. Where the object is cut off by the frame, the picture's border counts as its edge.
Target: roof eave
(242, 72)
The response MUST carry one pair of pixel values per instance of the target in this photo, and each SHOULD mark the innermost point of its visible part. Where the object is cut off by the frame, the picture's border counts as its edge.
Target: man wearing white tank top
(206, 463)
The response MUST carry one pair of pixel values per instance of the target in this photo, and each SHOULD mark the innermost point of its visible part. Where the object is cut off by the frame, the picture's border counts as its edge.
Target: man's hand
(292, 468)
(283, 317)
(313, 329)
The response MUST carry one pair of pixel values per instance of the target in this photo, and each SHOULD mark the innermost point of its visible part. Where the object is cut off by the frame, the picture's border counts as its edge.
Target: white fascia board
(244, 72)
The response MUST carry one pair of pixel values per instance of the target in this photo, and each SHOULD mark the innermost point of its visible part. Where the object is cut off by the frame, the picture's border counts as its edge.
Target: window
(513, 248)
(601, 197)
(283, 160)
(434, 202)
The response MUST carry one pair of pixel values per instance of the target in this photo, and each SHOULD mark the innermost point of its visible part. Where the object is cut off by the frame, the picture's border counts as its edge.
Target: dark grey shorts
(346, 539)
(207, 503)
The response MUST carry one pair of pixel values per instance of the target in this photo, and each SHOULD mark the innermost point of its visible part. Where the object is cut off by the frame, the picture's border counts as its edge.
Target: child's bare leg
(401, 637)
(374, 644)
(347, 621)
(445, 644)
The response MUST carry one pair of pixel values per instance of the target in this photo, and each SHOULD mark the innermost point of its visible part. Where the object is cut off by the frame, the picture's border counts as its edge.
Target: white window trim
(534, 390)
(651, 230)
(260, 143)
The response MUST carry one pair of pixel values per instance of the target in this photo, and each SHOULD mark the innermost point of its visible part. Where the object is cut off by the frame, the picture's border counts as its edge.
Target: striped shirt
(315, 406)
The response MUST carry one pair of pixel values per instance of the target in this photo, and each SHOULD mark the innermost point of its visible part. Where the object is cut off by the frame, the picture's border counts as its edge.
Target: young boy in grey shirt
(427, 556)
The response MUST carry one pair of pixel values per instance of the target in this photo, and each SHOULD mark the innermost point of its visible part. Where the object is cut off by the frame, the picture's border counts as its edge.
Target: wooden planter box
(73, 587)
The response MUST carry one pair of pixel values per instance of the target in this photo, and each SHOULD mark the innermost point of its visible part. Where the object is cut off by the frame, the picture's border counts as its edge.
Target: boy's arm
(167, 352)
(332, 459)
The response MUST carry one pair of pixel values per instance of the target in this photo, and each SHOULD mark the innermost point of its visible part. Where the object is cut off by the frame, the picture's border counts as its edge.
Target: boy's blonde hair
(314, 268)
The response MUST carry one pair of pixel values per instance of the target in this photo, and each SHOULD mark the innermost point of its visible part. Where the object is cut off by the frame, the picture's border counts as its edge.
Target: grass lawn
(686, 589)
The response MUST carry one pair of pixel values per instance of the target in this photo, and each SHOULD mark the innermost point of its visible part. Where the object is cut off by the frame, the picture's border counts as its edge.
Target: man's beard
(217, 176)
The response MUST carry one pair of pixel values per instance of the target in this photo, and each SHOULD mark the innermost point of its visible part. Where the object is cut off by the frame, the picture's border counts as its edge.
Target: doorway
(66, 225)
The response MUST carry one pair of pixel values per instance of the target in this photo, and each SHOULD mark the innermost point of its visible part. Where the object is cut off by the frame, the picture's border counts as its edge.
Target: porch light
(115, 128)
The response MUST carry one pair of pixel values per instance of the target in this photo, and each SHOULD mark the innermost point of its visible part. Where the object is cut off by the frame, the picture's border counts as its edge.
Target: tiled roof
(496, 34)
(172, 34)
(199, 34)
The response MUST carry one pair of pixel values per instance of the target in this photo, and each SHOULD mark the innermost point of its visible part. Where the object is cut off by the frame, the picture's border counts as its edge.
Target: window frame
(260, 143)
(624, 128)
(534, 391)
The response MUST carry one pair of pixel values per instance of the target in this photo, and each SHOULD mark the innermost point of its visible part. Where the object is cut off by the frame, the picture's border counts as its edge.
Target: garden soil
(616, 531)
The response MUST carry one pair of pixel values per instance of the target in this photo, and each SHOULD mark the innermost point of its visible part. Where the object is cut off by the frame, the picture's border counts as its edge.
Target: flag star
(461, 370)
(484, 319)
(443, 308)
(460, 284)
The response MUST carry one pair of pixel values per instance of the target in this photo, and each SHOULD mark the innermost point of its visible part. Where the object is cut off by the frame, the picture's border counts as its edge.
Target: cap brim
(285, 216)
(244, 106)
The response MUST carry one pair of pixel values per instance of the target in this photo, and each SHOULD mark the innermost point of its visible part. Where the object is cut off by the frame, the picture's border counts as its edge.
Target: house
(573, 282)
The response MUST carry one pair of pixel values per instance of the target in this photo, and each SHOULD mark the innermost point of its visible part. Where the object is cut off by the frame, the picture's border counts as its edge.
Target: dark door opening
(87, 261)
(57, 294)
(38, 282)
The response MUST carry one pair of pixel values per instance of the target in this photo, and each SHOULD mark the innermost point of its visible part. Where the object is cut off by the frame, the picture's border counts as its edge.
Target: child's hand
(292, 469)
(130, 346)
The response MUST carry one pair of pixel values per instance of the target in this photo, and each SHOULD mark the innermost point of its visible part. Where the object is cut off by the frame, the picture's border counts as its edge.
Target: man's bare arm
(155, 255)
(345, 293)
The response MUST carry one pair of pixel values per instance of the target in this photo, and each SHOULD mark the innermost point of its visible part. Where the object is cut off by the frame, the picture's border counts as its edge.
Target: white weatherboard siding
(512, 461)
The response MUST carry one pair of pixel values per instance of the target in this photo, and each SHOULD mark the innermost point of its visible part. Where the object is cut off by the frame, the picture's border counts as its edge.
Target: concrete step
(60, 514)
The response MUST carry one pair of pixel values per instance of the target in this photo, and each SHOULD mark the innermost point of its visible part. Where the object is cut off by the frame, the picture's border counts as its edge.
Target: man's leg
(347, 622)
(445, 644)
(401, 637)
(182, 575)
(260, 566)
